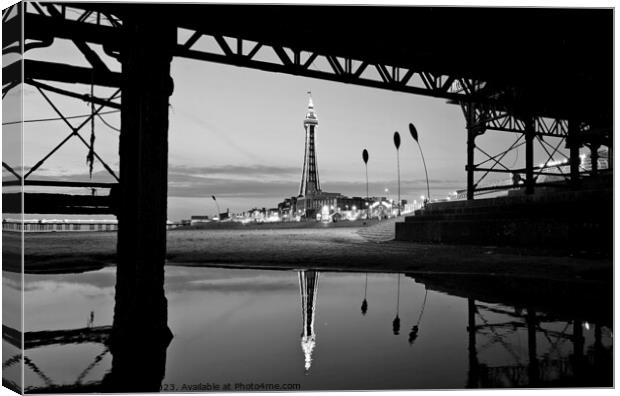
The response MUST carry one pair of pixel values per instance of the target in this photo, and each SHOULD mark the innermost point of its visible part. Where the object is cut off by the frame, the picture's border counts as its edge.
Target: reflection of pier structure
(556, 365)
(137, 361)
(308, 289)
(549, 316)
(38, 339)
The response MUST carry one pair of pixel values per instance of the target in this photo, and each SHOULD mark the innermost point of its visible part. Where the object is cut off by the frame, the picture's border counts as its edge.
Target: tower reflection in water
(510, 344)
(308, 289)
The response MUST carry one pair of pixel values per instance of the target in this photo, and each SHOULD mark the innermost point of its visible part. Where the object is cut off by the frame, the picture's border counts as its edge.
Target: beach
(324, 248)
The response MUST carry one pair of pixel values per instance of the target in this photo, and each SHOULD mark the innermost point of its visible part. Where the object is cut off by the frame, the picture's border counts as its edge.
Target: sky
(238, 134)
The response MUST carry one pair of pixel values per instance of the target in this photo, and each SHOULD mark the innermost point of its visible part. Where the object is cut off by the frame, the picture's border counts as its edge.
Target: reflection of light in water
(307, 344)
(308, 287)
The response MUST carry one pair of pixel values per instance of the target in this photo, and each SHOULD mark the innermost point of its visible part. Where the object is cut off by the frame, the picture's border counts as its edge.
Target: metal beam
(44, 27)
(41, 70)
(574, 143)
(291, 68)
(530, 133)
(84, 97)
(57, 203)
(58, 183)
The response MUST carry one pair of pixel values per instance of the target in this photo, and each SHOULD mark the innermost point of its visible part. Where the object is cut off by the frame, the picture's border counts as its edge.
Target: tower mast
(310, 174)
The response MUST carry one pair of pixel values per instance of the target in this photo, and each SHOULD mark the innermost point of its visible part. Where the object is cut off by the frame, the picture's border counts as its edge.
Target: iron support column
(473, 373)
(531, 347)
(140, 330)
(578, 349)
(472, 132)
(610, 154)
(594, 158)
(471, 144)
(573, 146)
(530, 133)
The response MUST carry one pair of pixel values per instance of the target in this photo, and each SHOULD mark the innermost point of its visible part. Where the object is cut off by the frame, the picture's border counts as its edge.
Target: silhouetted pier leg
(578, 345)
(573, 145)
(610, 153)
(598, 338)
(603, 366)
(473, 373)
(471, 145)
(531, 347)
(473, 130)
(530, 133)
(594, 158)
(140, 331)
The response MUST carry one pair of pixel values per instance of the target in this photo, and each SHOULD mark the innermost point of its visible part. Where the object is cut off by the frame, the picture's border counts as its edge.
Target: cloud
(238, 171)
(232, 180)
(264, 181)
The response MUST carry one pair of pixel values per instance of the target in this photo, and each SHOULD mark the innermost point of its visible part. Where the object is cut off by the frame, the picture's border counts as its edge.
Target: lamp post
(397, 145)
(365, 158)
(414, 135)
(218, 207)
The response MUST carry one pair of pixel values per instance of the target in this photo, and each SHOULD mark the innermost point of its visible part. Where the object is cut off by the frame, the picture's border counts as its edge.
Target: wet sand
(319, 248)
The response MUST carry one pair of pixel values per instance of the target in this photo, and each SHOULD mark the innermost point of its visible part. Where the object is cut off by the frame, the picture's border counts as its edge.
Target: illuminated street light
(217, 205)
(414, 135)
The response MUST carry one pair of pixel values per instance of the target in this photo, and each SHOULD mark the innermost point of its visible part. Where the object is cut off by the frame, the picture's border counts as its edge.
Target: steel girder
(84, 24)
(34, 71)
(487, 107)
(551, 135)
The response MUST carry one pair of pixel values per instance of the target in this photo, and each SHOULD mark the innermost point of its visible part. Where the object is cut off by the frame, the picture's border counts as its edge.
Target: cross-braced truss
(36, 72)
(488, 106)
(552, 135)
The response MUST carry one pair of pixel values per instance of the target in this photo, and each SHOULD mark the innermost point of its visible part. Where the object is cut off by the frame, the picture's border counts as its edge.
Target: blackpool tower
(310, 174)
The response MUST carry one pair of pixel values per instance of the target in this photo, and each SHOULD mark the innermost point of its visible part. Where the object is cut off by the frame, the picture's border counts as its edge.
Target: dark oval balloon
(413, 131)
(365, 156)
(397, 140)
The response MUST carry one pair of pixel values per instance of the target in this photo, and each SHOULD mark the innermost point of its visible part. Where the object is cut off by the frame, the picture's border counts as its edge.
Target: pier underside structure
(544, 75)
(550, 84)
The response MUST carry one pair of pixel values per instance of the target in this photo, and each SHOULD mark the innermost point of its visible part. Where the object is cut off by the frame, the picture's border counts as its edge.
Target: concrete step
(577, 220)
(383, 231)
